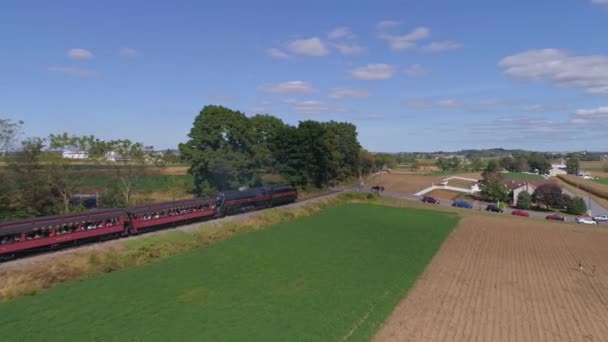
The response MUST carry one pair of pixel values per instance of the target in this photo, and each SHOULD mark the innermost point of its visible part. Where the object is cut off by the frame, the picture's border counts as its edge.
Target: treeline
(37, 181)
(228, 150)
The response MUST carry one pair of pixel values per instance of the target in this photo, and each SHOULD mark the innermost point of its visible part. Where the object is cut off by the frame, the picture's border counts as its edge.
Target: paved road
(596, 208)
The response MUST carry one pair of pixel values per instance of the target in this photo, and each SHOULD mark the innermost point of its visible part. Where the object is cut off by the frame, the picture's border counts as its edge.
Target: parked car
(494, 208)
(585, 220)
(602, 218)
(462, 204)
(429, 199)
(555, 217)
(520, 213)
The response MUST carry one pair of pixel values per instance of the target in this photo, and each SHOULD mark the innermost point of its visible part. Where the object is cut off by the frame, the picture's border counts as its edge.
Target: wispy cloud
(346, 93)
(309, 47)
(416, 70)
(600, 2)
(340, 32)
(77, 53)
(72, 71)
(373, 72)
(387, 24)
(128, 52)
(560, 68)
(406, 41)
(429, 104)
(349, 48)
(312, 107)
(441, 46)
(277, 53)
(291, 87)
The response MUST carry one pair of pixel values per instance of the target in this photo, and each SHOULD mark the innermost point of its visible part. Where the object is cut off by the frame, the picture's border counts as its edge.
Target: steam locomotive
(53, 232)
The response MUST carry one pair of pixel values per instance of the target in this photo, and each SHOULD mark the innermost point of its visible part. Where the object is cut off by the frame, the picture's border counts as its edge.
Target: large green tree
(548, 195)
(266, 128)
(344, 149)
(492, 184)
(572, 165)
(220, 150)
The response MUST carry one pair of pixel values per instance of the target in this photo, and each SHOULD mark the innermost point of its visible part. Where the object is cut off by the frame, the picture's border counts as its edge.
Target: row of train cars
(19, 238)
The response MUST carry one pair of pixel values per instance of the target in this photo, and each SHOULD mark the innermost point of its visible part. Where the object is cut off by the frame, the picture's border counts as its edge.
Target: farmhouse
(75, 155)
(517, 188)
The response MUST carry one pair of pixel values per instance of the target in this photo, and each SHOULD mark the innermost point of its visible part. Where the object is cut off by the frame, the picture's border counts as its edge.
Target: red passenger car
(165, 214)
(45, 233)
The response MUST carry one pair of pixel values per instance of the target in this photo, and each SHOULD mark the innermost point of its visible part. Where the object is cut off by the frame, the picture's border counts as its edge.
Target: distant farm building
(75, 155)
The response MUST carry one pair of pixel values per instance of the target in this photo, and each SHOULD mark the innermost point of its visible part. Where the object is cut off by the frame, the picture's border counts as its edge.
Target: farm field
(332, 276)
(497, 280)
(518, 175)
(408, 183)
(446, 194)
(602, 181)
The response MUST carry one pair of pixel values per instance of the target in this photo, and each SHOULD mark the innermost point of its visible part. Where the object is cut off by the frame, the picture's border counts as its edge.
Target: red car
(429, 199)
(520, 213)
(555, 217)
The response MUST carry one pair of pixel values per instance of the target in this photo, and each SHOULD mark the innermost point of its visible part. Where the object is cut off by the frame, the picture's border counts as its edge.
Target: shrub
(576, 206)
(524, 200)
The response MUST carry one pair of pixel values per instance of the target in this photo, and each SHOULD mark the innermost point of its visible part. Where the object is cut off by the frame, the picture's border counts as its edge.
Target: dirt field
(494, 280)
(404, 183)
(445, 194)
(412, 183)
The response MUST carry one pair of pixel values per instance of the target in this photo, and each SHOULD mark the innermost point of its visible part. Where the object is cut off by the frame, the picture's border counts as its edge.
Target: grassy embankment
(332, 276)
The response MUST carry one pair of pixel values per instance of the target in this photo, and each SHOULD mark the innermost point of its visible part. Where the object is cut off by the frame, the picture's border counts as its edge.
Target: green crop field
(147, 183)
(602, 180)
(517, 175)
(332, 276)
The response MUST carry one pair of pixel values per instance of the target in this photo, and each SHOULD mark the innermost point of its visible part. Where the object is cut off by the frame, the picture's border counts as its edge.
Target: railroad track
(34, 257)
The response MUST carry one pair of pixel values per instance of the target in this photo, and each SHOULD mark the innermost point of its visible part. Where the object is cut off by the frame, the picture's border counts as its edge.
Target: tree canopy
(228, 150)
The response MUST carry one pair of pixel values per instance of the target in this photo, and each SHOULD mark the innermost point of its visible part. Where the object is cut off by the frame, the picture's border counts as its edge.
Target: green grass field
(517, 175)
(334, 275)
(602, 181)
(147, 183)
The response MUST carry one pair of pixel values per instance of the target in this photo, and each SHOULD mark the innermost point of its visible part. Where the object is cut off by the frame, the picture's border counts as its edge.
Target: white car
(601, 218)
(585, 220)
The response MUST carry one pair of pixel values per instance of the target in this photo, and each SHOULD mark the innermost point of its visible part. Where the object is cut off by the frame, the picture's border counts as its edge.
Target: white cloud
(600, 2)
(349, 48)
(277, 53)
(450, 103)
(128, 52)
(311, 107)
(441, 46)
(560, 68)
(387, 24)
(598, 113)
(309, 47)
(291, 87)
(373, 72)
(404, 42)
(77, 53)
(371, 117)
(73, 71)
(428, 104)
(345, 93)
(416, 70)
(340, 32)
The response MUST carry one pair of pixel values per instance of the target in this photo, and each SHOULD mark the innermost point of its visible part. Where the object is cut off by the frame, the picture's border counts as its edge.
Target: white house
(75, 155)
(557, 171)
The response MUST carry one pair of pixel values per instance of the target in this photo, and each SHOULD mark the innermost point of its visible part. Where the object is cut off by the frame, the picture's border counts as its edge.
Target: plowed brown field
(404, 183)
(495, 279)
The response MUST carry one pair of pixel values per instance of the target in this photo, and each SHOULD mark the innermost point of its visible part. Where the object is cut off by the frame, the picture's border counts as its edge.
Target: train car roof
(20, 226)
(237, 194)
(168, 205)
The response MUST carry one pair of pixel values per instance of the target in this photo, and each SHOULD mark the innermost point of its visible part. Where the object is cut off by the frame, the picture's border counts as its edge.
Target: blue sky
(412, 75)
